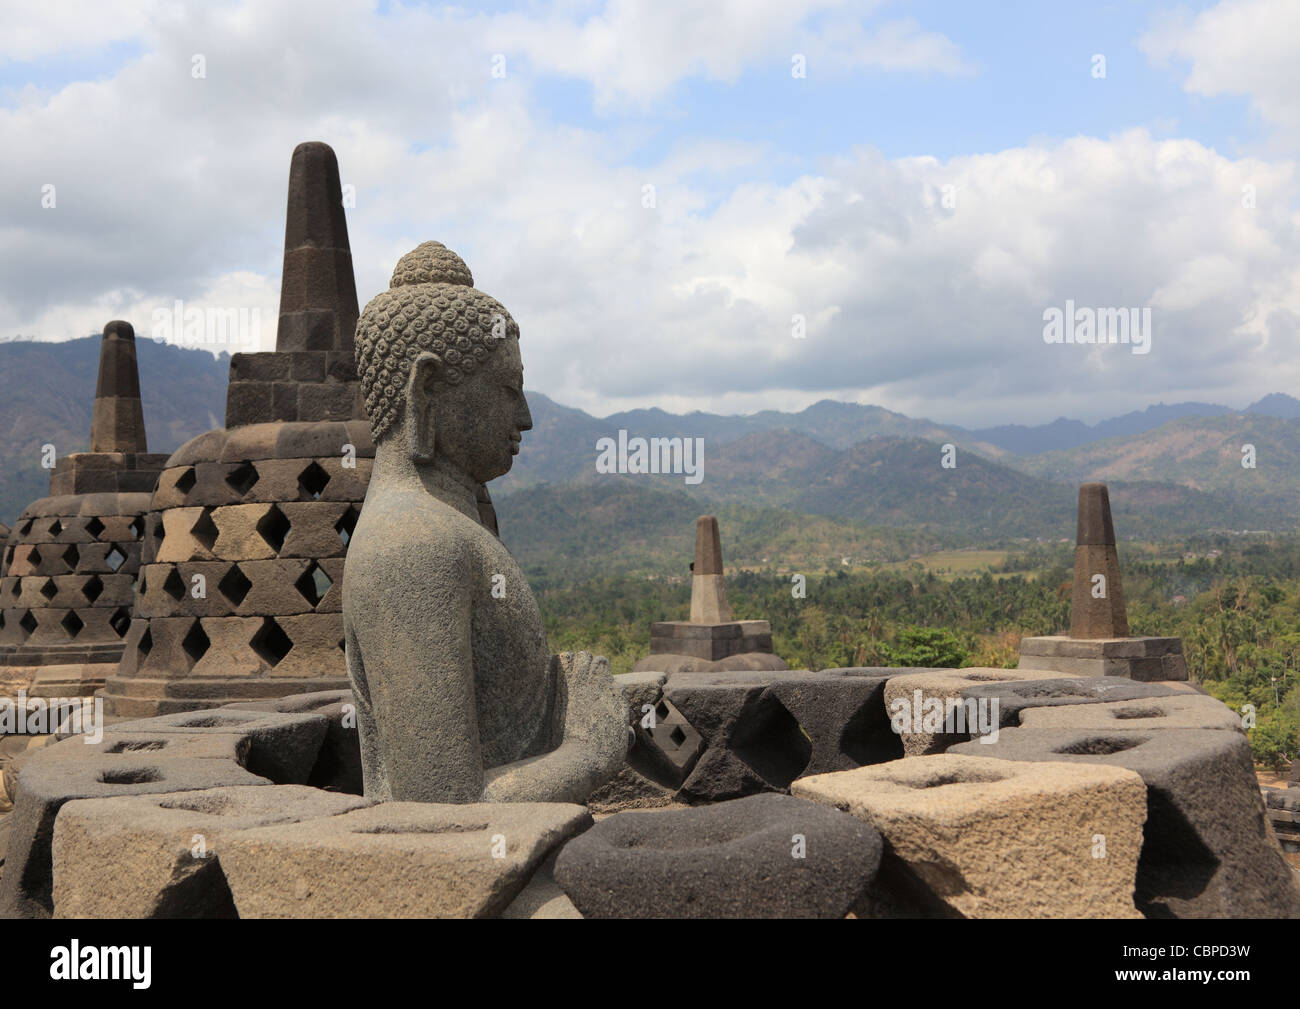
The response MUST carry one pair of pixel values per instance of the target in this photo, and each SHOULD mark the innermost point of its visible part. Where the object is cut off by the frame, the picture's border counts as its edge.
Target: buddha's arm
(594, 738)
(418, 660)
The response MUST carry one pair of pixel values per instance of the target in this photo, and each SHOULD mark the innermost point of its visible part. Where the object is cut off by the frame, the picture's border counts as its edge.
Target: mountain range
(1174, 469)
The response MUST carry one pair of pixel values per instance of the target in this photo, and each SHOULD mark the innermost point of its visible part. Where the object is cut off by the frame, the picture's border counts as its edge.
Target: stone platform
(1144, 659)
(106, 829)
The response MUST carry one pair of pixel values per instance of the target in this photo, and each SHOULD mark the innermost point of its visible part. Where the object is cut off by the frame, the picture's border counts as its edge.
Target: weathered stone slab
(282, 747)
(1015, 697)
(765, 856)
(753, 744)
(1184, 711)
(49, 779)
(764, 729)
(1207, 850)
(338, 764)
(396, 860)
(158, 856)
(1141, 658)
(908, 697)
(983, 838)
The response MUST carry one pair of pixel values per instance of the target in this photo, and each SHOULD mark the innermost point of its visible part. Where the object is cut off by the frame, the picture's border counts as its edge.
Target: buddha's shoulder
(416, 527)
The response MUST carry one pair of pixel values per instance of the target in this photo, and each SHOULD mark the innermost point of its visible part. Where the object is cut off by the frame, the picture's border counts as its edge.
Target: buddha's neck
(442, 478)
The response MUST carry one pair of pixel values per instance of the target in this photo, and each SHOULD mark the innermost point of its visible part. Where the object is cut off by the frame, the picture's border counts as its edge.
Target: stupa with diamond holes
(712, 640)
(241, 579)
(1099, 643)
(70, 562)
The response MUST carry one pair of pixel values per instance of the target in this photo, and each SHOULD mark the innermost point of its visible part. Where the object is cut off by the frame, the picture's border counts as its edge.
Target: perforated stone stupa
(71, 560)
(241, 588)
(712, 640)
(1099, 643)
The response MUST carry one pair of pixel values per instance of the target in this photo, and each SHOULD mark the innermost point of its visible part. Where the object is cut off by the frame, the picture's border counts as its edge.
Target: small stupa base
(670, 663)
(1137, 658)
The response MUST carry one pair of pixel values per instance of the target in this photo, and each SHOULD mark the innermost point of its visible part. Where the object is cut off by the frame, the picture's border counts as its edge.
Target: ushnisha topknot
(432, 305)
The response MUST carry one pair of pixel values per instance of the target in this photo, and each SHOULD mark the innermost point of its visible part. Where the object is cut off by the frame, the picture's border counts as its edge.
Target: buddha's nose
(524, 419)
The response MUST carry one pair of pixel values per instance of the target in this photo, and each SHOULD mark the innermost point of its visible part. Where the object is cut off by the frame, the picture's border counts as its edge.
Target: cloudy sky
(656, 191)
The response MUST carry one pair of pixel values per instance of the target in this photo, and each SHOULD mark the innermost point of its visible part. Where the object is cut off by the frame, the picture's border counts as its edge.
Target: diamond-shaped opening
(234, 585)
(71, 556)
(273, 527)
(16, 587)
(137, 526)
(115, 558)
(185, 482)
(343, 644)
(242, 478)
(34, 557)
(146, 643)
(9, 556)
(27, 527)
(174, 586)
(346, 525)
(678, 736)
(312, 481)
(313, 583)
(195, 643)
(94, 526)
(270, 642)
(49, 590)
(56, 527)
(120, 621)
(204, 529)
(773, 744)
(72, 623)
(28, 622)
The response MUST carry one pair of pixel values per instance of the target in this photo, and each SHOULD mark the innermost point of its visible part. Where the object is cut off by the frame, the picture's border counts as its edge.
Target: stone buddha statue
(458, 697)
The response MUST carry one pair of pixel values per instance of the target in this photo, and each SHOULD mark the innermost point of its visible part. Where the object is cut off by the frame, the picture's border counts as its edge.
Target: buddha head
(440, 367)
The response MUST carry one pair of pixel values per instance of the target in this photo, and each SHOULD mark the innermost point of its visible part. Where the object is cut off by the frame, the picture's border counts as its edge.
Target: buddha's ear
(419, 413)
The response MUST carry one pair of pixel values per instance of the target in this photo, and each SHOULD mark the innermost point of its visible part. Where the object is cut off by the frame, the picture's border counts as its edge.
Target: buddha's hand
(590, 703)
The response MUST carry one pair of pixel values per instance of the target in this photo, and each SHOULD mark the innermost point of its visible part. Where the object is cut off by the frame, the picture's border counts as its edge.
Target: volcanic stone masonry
(1099, 643)
(242, 565)
(71, 560)
(712, 640)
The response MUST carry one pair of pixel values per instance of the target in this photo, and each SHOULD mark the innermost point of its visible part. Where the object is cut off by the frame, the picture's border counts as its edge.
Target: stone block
(249, 403)
(338, 765)
(49, 779)
(379, 862)
(282, 747)
(1207, 851)
(1181, 711)
(1137, 658)
(159, 856)
(927, 688)
(765, 856)
(1015, 697)
(264, 367)
(977, 837)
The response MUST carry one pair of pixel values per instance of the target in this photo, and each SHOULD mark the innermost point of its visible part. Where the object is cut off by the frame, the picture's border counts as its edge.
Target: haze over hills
(1174, 469)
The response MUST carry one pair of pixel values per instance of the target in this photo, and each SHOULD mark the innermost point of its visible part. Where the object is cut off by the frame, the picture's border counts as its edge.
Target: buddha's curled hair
(432, 305)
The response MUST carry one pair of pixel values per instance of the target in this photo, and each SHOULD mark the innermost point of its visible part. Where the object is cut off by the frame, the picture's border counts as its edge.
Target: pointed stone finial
(117, 420)
(318, 294)
(708, 587)
(1097, 608)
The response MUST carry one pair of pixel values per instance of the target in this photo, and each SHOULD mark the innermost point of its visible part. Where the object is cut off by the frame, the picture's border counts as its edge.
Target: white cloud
(1237, 47)
(170, 187)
